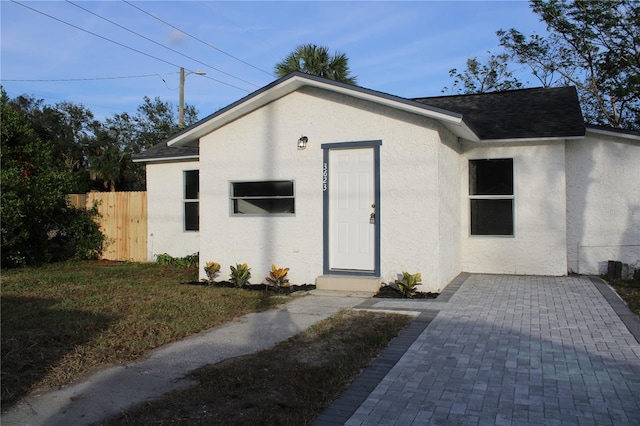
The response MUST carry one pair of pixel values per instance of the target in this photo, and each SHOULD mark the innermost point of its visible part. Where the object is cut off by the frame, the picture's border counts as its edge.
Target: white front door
(351, 203)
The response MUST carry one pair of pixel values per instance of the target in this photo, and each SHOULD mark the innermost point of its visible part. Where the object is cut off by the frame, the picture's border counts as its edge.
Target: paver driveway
(512, 350)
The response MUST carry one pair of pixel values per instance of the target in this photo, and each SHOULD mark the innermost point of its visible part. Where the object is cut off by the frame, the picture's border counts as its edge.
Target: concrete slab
(343, 293)
(348, 283)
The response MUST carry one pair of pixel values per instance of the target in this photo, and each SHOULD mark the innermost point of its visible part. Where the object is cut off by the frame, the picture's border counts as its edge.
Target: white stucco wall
(449, 205)
(165, 191)
(603, 190)
(262, 146)
(539, 244)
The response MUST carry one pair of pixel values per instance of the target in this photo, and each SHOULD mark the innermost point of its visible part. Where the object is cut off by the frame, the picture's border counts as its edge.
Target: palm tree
(316, 60)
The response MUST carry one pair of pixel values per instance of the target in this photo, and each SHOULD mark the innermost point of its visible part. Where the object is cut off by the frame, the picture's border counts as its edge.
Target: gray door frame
(326, 181)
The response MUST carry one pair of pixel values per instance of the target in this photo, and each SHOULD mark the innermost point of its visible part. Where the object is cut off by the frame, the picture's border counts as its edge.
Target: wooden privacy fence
(123, 220)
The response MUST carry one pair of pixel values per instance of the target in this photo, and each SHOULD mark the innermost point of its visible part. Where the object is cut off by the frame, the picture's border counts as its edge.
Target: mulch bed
(257, 287)
(385, 292)
(389, 292)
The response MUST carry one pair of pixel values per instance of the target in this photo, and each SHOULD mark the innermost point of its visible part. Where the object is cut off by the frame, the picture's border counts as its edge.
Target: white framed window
(491, 197)
(263, 197)
(191, 179)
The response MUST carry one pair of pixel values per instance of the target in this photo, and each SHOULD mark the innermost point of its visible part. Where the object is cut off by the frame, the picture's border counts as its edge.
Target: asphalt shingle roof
(162, 150)
(515, 114)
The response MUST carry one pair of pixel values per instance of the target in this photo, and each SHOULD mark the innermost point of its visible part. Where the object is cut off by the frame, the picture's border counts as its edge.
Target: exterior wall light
(302, 142)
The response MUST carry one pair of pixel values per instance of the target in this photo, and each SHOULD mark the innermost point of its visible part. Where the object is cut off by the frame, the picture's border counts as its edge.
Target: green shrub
(38, 223)
(240, 275)
(407, 284)
(68, 233)
(81, 237)
(188, 261)
(164, 259)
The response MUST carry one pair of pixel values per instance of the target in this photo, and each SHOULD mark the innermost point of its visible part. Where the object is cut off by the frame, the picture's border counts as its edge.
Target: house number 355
(325, 177)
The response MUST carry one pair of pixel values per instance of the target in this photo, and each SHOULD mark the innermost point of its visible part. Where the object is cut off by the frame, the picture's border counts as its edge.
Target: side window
(191, 203)
(491, 196)
(266, 197)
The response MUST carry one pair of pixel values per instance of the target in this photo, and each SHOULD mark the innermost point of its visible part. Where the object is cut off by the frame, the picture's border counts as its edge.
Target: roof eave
(628, 134)
(295, 81)
(462, 131)
(531, 139)
(167, 158)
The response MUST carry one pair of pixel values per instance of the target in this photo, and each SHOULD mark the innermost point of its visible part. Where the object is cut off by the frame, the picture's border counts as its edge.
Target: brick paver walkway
(510, 350)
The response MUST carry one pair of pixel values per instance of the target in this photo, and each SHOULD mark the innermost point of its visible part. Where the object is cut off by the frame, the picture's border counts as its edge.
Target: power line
(50, 80)
(160, 44)
(85, 79)
(122, 45)
(196, 38)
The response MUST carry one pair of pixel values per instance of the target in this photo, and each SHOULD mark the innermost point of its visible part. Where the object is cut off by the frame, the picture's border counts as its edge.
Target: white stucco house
(509, 183)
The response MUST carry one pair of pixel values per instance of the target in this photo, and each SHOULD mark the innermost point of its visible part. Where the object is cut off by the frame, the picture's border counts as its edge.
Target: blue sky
(402, 48)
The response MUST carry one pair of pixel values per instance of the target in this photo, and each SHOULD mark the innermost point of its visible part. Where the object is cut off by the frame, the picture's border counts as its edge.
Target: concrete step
(348, 283)
(342, 293)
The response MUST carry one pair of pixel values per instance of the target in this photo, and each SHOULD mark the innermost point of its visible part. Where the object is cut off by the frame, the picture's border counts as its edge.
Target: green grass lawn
(629, 290)
(62, 321)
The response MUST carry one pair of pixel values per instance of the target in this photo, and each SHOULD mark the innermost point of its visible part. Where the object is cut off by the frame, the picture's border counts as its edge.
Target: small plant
(164, 259)
(188, 261)
(407, 285)
(211, 269)
(278, 277)
(240, 275)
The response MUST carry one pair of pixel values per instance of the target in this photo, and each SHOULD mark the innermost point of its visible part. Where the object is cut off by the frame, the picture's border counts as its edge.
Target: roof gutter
(160, 159)
(628, 134)
(527, 140)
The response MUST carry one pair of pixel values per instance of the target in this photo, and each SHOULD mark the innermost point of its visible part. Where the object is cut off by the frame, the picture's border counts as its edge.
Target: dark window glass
(268, 197)
(191, 208)
(191, 185)
(491, 177)
(491, 191)
(192, 216)
(277, 188)
(491, 217)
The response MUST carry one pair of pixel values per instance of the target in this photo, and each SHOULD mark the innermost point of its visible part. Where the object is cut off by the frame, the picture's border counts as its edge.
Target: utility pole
(181, 104)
